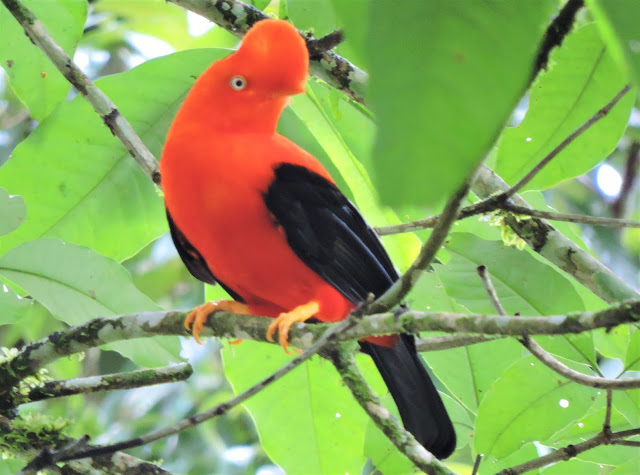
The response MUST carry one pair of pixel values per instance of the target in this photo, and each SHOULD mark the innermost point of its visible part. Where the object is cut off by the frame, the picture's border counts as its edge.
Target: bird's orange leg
(284, 321)
(198, 317)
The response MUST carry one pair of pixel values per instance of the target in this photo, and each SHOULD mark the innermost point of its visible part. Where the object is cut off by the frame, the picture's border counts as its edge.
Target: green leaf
(33, 78)
(443, 83)
(77, 284)
(618, 23)
(339, 132)
(12, 211)
(583, 78)
(387, 459)
(77, 180)
(529, 402)
(524, 285)
(309, 406)
(632, 360)
(573, 466)
(628, 468)
(469, 372)
(15, 309)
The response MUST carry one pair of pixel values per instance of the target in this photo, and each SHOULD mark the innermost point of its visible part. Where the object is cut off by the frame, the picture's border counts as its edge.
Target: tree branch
(237, 17)
(555, 247)
(593, 381)
(342, 358)
(109, 382)
(110, 114)
(571, 218)
(226, 325)
(446, 342)
(570, 451)
(491, 290)
(327, 338)
(557, 31)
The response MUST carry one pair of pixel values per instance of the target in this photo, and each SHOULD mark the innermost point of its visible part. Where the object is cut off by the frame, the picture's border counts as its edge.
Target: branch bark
(342, 358)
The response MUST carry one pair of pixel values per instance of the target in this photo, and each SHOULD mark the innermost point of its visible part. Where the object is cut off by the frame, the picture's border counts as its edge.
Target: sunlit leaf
(443, 83)
(617, 20)
(529, 402)
(77, 180)
(12, 211)
(76, 284)
(582, 78)
(33, 77)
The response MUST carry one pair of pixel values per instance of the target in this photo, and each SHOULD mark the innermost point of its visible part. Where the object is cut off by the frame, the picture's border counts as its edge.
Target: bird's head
(249, 88)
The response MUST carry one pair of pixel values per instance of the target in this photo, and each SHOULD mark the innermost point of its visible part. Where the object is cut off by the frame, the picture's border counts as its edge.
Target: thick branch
(222, 408)
(109, 382)
(111, 116)
(237, 17)
(557, 31)
(225, 325)
(345, 363)
(555, 247)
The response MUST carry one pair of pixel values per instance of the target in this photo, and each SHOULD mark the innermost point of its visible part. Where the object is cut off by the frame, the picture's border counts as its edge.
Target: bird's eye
(238, 83)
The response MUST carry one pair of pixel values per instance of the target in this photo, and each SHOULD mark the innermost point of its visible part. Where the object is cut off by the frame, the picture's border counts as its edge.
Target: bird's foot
(198, 317)
(284, 321)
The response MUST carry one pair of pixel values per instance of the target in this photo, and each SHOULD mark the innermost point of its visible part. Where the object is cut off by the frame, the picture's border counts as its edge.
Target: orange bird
(251, 210)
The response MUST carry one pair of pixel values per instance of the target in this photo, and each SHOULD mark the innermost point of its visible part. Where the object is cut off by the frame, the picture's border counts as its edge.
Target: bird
(252, 211)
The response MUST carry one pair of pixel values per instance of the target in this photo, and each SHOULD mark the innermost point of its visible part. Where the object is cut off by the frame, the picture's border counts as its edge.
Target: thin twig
(491, 290)
(574, 135)
(110, 114)
(346, 365)
(219, 409)
(401, 288)
(476, 464)
(571, 218)
(569, 452)
(628, 443)
(593, 381)
(109, 382)
(618, 207)
(446, 342)
(606, 426)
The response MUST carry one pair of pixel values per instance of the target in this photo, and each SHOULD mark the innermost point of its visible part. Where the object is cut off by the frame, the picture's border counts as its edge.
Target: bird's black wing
(193, 259)
(330, 236)
(328, 233)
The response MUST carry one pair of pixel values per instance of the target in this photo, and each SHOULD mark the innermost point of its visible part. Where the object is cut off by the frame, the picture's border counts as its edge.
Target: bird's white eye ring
(238, 83)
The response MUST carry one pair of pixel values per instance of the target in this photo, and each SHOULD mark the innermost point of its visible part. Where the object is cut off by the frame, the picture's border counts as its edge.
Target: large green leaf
(343, 134)
(443, 82)
(77, 180)
(524, 285)
(618, 23)
(14, 308)
(308, 421)
(32, 76)
(12, 211)
(583, 77)
(77, 284)
(529, 402)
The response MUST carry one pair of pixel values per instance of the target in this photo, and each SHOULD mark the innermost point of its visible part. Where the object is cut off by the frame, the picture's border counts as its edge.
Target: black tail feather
(420, 406)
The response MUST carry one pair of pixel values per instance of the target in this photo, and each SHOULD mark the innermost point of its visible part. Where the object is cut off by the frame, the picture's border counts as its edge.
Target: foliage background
(83, 232)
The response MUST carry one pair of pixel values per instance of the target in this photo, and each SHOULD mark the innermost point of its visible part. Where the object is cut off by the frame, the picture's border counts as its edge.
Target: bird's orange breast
(217, 202)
